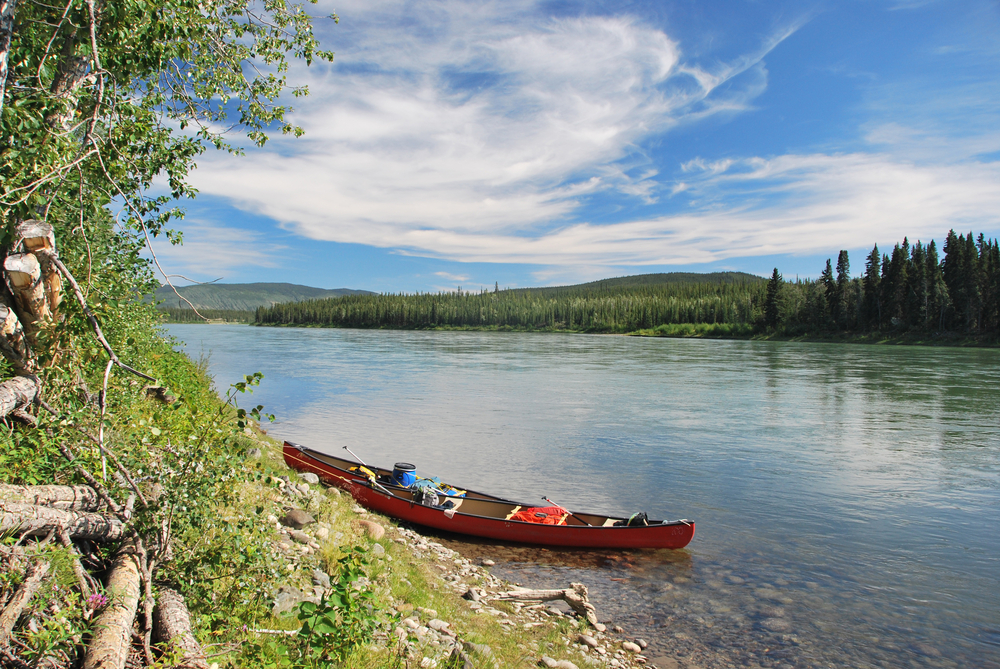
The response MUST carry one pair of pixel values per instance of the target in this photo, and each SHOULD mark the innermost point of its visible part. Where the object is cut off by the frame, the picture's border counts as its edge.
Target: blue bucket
(404, 474)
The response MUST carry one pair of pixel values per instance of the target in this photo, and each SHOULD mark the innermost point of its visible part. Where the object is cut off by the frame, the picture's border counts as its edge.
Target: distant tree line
(179, 315)
(911, 289)
(614, 308)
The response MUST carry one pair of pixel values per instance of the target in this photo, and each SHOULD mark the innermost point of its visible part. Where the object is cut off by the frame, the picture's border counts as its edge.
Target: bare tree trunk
(7, 8)
(13, 344)
(25, 275)
(173, 626)
(27, 589)
(17, 392)
(31, 520)
(65, 497)
(39, 235)
(112, 638)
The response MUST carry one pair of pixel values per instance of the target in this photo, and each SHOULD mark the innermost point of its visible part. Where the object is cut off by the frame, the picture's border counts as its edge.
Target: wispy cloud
(211, 251)
(474, 130)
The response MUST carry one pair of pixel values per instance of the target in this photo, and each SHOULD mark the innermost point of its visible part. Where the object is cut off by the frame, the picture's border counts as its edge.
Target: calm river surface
(847, 497)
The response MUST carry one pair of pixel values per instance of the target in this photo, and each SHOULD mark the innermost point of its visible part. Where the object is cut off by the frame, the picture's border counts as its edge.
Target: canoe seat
(511, 514)
(609, 522)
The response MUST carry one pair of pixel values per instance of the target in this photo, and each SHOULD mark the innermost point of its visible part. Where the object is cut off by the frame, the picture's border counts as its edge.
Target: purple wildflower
(97, 601)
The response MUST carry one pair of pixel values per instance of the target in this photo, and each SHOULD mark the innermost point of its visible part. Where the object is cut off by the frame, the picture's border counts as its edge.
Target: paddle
(567, 511)
(374, 482)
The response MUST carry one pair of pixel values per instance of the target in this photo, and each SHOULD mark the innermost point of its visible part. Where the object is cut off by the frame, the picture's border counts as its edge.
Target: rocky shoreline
(429, 639)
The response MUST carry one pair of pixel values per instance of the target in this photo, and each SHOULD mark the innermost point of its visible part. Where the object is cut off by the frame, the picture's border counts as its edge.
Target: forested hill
(611, 305)
(653, 280)
(245, 296)
(911, 289)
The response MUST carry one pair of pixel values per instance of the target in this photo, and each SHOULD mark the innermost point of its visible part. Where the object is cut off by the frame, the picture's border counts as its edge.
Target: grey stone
(547, 661)
(254, 453)
(460, 659)
(488, 563)
(641, 643)
(297, 518)
(377, 549)
(587, 640)
(287, 599)
(320, 578)
(309, 477)
(437, 625)
(322, 532)
(631, 647)
(471, 595)
(565, 664)
(300, 537)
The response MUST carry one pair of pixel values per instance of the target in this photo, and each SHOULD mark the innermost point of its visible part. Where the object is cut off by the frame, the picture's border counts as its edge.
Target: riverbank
(722, 331)
(436, 606)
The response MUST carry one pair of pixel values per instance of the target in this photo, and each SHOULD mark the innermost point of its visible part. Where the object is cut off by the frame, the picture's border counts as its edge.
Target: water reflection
(847, 497)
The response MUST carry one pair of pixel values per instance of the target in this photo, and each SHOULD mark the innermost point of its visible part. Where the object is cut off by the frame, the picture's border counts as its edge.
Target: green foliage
(331, 630)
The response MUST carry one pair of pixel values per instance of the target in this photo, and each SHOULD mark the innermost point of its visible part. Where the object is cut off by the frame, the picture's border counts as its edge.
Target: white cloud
(452, 277)
(210, 251)
(473, 130)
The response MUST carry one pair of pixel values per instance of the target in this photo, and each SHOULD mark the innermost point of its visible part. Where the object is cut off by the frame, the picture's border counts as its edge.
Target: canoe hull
(671, 535)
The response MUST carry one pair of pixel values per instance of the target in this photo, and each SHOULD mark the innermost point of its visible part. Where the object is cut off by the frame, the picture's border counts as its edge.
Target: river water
(847, 497)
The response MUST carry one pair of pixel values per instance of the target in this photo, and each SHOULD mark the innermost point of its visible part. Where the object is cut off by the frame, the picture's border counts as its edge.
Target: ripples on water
(846, 496)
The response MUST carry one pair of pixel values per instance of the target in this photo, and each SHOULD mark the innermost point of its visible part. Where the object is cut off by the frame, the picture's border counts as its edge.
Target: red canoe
(482, 515)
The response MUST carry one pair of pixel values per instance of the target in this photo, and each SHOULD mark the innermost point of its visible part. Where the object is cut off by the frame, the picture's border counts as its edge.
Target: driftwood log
(112, 637)
(17, 392)
(172, 627)
(23, 595)
(65, 497)
(31, 520)
(576, 596)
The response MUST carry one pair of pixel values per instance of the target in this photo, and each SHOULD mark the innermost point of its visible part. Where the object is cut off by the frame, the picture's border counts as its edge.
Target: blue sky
(544, 143)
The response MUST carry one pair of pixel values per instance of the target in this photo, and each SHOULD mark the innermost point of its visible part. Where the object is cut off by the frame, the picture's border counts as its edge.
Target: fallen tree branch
(30, 520)
(17, 392)
(27, 590)
(172, 627)
(112, 635)
(78, 570)
(575, 596)
(89, 478)
(65, 497)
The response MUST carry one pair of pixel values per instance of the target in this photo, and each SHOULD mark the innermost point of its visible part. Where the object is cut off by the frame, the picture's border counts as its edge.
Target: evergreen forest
(911, 289)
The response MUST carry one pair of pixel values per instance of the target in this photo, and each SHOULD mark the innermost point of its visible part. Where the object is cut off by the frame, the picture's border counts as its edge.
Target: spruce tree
(832, 295)
(772, 311)
(843, 293)
(872, 283)
(916, 292)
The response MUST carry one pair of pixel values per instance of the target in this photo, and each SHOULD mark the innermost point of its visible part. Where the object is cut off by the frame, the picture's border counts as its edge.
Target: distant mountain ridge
(659, 279)
(246, 296)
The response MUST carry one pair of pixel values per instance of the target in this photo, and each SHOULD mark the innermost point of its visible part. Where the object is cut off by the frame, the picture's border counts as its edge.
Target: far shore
(696, 331)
